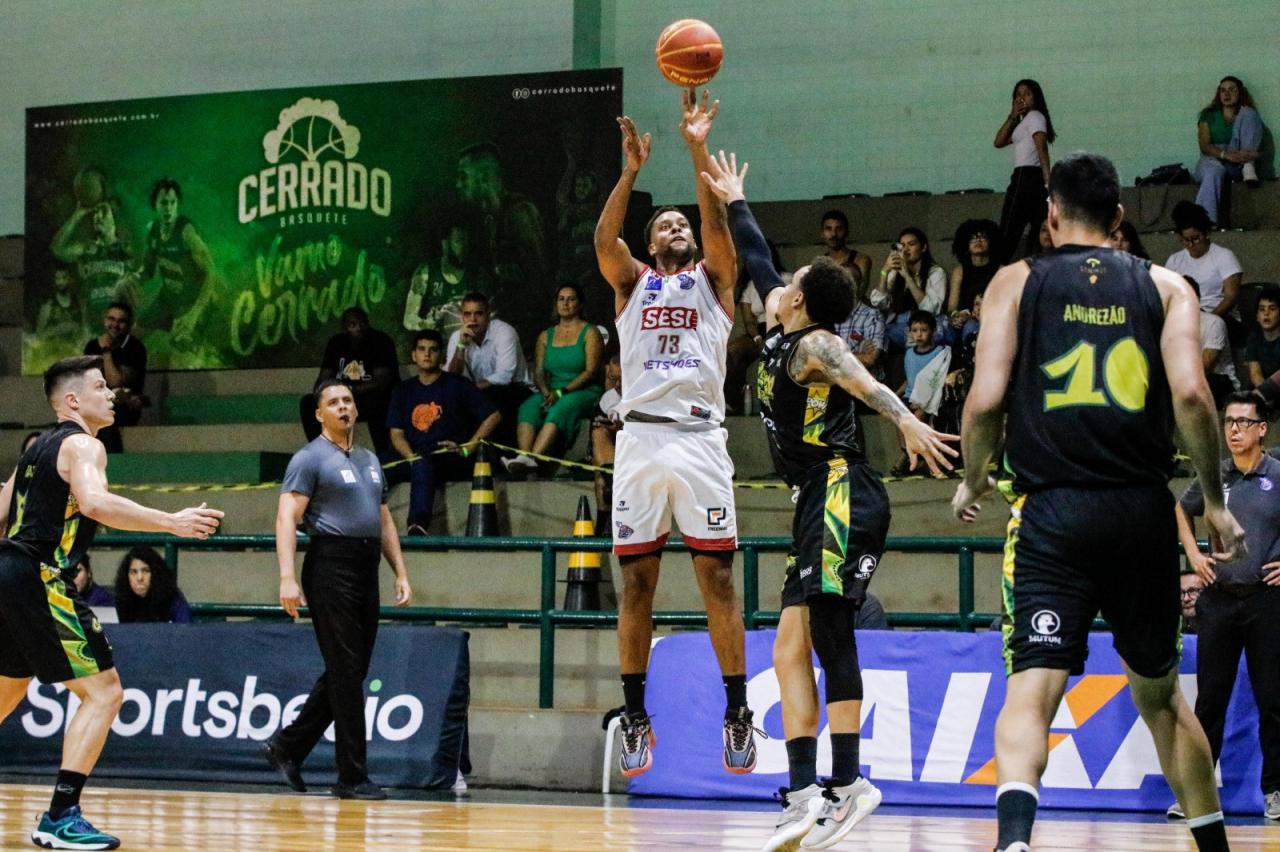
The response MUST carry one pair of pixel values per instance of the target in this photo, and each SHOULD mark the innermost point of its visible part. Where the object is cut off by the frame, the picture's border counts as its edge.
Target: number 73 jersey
(672, 333)
(1089, 401)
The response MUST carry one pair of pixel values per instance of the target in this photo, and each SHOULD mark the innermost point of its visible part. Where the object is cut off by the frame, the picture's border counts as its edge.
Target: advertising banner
(240, 225)
(928, 726)
(200, 699)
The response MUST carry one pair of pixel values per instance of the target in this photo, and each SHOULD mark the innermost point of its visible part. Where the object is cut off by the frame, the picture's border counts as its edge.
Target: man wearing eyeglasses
(1239, 609)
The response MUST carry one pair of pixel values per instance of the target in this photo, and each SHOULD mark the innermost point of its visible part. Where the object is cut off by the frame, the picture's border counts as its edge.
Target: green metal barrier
(547, 617)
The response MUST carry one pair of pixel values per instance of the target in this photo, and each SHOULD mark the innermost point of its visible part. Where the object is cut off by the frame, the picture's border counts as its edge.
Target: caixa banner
(928, 726)
(200, 699)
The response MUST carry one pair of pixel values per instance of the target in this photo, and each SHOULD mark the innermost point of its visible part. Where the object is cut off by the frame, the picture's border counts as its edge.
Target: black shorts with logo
(46, 630)
(838, 532)
(1072, 552)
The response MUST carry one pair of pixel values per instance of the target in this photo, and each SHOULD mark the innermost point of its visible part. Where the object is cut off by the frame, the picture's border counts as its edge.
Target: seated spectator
(745, 339)
(1192, 586)
(871, 615)
(835, 233)
(1262, 350)
(1044, 240)
(909, 281)
(567, 369)
(1215, 268)
(88, 590)
(434, 411)
(1219, 368)
(147, 590)
(124, 366)
(1125, 238)
(62, 316)
(976, 247)
(364, 359)
(605, 427)
(864, 331)
(1229, 133)
(487, 351)
(926, 366)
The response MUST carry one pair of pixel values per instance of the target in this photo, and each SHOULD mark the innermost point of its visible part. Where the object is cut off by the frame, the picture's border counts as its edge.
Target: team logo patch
(624, 531)
(654, 282)
(649, 299)
(1265, 484)
(866, 567)
(686, 281)
(1046, 622)
(700, 412)
(374, 475)
(716, 515)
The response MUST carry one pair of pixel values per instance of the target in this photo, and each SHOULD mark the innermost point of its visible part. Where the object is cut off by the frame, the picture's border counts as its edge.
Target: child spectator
(1262, 350)
(147, 590)
(925, 364)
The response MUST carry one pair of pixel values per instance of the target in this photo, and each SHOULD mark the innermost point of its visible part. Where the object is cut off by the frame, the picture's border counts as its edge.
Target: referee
(336, 490)
(1239, 610)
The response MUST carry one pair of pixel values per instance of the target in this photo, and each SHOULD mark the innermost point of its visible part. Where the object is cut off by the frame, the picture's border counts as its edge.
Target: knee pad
(831, 630)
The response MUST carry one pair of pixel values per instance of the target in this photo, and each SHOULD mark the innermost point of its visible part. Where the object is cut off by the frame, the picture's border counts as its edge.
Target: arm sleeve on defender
(753, 248)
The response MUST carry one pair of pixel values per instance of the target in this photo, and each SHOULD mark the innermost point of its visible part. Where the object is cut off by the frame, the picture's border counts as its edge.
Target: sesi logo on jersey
(659, 317)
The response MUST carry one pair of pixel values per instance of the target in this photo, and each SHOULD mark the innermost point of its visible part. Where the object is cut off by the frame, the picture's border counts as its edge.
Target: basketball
(88, 187)
(689, 52)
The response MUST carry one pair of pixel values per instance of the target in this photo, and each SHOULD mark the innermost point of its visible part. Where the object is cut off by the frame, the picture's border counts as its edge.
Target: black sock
(735, 690)
(633, 692)
(66, 792)
(1016, 813)
(845, 767)
(802, 761)
(1211, 834)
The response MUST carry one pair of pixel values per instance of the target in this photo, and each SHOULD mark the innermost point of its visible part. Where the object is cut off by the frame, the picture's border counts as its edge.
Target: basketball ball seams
(689, 52)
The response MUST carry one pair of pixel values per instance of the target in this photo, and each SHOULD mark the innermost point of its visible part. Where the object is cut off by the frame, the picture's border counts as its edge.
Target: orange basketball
(689, 52)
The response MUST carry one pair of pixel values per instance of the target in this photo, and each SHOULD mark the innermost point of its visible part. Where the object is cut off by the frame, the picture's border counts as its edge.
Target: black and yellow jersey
(1089, 402)
(44, 517)
(807, 425)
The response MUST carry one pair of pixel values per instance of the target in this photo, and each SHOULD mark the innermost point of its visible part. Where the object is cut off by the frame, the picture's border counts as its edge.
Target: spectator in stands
(487, 351)
(976, 247)
(746, 338)
(864, 331)
(1239, 610)
(1215, 350)
(364, 359)
(605, 427)
(1192, 586)
(871, 615)
(1229, 133)
(1262, 350)
(88, 590)
(1044, 242)
(434, 411)
(909, 281)
(147, 590)
(926, 366)
(1215, 268)
(124, 366)
(1125, 238)
(835, 233)
(1029, 129)
(567, 373)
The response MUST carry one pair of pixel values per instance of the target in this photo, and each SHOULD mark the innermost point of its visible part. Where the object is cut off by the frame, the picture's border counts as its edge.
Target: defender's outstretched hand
(634, 146)
(696, 123)
(725, 180)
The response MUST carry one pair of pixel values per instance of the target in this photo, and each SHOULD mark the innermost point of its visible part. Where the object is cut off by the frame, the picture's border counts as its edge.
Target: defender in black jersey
(1093, 355)
(49, 509)
(808, 381)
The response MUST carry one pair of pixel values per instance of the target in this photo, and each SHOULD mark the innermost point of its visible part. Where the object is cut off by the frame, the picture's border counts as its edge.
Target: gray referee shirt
(346, 490)
(1254, 500)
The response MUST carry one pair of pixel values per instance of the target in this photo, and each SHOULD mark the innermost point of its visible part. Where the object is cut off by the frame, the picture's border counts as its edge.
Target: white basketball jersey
(673, 334)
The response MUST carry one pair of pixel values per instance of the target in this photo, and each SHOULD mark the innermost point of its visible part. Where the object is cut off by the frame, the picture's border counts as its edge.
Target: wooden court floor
(166, 819)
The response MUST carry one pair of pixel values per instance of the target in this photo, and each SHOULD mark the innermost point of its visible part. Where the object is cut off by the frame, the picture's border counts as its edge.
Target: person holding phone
(1029, 129)
(910, 281)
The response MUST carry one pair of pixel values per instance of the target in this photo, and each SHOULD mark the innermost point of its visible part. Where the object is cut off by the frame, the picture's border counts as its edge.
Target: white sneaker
(521, 461)
(1017, 847)
(1174, 811)
(1250, 174)
(842, 809)
(1271, 810)
(800, 810)
(460, 784)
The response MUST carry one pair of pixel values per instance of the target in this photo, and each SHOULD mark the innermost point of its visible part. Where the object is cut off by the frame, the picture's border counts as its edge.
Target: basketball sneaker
(1174, 811)
(73, 831)
(637, 740)
(842, 809)
(800, 809)
(739, 741)
(1271, 808)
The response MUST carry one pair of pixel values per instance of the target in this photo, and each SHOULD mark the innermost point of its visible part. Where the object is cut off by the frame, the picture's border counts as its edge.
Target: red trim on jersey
(730, 543)
(633, 291)
(641, 548)
(714, 294)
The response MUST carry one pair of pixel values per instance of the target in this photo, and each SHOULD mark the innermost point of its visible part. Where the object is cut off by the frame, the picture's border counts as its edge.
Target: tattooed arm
(823, 358)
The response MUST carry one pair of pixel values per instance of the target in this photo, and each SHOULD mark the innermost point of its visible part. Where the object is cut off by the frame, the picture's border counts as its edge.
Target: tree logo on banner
(300, 119)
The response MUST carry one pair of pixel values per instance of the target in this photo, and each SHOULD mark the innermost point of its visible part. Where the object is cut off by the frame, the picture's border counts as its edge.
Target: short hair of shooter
(66, 370)
(1087, 189)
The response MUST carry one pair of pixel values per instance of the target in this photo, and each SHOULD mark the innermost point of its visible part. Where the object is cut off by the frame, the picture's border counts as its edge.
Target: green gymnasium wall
(820, 96)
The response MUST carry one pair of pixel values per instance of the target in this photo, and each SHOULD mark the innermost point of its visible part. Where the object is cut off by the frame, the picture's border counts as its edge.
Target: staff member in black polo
(1239, 610)
(337, 491)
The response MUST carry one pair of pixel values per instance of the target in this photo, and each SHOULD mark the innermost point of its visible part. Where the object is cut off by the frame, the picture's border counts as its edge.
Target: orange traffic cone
(482, 513)
(583, 580)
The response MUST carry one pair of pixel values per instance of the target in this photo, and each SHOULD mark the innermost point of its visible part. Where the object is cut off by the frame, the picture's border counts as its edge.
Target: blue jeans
(425, 476)
(1246, 135)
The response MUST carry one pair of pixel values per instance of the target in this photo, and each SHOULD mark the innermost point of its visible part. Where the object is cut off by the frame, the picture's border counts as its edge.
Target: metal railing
(547, 618)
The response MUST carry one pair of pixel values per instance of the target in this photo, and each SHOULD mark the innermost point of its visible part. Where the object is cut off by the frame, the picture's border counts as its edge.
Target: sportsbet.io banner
(928, 726)
(204, 715)
(241, 225)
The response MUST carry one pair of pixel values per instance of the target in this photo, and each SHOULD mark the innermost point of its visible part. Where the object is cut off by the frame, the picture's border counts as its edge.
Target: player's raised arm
(726, 181)
(1193, 409)
(719, 257)
(824, 357)
(617, 265)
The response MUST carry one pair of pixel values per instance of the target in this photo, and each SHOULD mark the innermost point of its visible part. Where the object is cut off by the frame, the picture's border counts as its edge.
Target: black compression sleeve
(753, 248)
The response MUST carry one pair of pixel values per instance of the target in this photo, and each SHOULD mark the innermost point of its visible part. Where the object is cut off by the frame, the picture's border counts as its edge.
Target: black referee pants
(340, 581)
(1227, 625)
